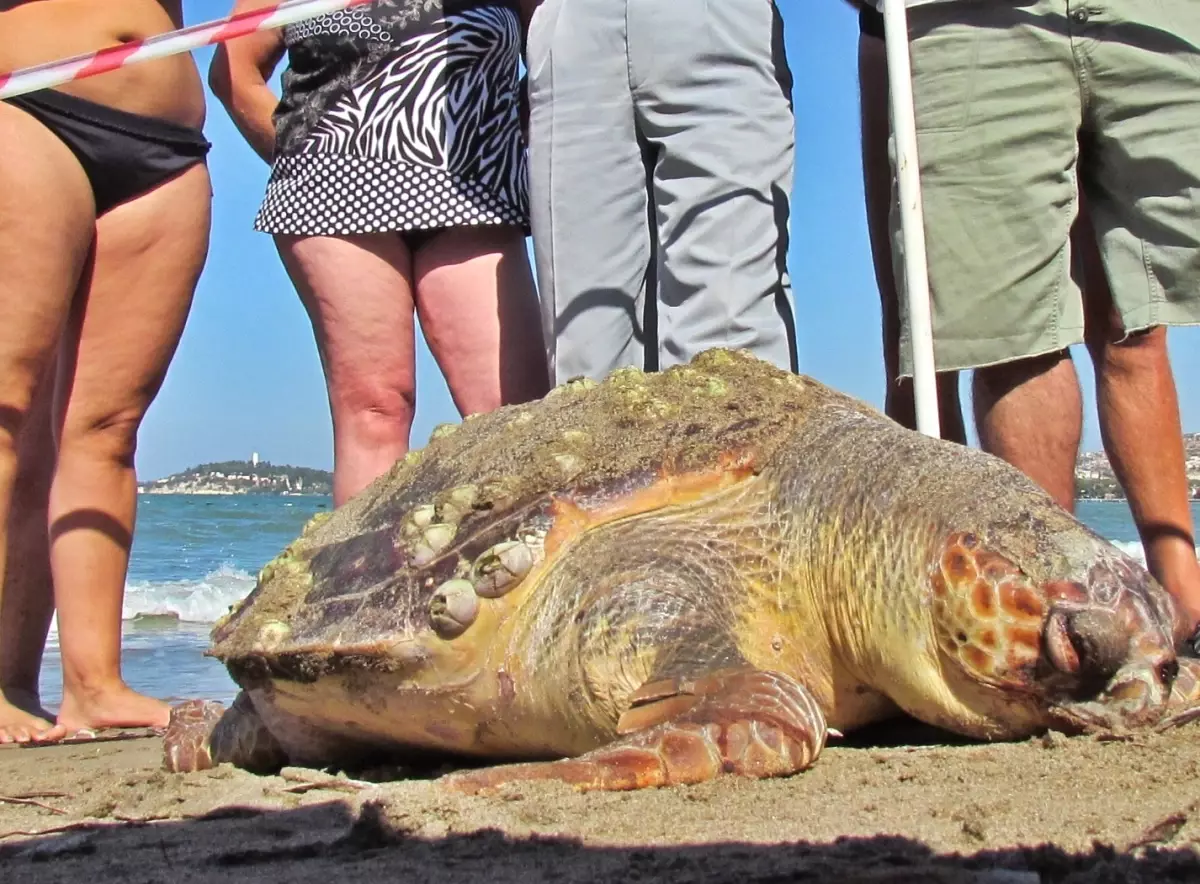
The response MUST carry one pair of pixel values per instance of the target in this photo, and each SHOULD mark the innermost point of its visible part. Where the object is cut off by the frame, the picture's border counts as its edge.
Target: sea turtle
(662, 577)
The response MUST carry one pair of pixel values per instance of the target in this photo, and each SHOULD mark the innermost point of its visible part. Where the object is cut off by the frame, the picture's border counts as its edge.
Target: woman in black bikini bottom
(104, 220)
(124, 155)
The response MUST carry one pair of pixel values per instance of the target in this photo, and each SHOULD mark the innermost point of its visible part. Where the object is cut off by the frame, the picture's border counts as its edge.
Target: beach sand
(1051, 809)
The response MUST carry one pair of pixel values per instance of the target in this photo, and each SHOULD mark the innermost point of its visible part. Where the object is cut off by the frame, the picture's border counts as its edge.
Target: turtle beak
(1135, 698)
(1111, 648)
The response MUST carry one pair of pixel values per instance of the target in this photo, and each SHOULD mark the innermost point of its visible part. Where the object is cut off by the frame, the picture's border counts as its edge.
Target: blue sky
(246, 377)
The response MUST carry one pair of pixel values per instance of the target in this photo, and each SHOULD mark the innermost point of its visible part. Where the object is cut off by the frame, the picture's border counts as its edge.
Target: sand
(1047, 810)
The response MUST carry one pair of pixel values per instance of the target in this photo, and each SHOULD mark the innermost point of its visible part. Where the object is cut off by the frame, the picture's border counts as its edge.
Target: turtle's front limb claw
(186, 742)
(202, 734)
(752, 723)
(1184, 705)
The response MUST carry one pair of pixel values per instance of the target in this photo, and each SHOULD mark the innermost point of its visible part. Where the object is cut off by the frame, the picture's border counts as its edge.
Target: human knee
(13, 419)
(26, 443)
(109, 437)
(373, 410)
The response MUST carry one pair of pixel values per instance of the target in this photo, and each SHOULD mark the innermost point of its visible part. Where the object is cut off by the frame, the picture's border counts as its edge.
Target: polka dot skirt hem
(336, 194)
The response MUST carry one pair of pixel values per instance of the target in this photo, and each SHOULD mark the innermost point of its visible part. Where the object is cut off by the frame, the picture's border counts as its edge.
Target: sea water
(195, 555)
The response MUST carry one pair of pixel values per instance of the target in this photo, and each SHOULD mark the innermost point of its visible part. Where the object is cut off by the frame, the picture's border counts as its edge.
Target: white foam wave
(1131, 548)
(190, 601)
(1135, 549)
(195, 601)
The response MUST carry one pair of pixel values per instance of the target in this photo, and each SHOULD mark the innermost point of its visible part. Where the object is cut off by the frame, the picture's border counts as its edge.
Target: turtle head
(1082, 645)
(1109, 644)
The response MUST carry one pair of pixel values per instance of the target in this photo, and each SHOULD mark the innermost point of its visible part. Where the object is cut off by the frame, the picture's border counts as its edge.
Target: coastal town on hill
(1094, 477)
(1095, 480)
(252, 476)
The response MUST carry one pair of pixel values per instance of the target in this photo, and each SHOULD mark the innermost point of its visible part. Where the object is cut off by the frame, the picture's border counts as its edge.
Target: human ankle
(89, 687)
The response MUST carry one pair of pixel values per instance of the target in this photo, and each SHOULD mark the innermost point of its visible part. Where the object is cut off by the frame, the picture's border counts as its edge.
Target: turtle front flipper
(203, 734)
(748, 722)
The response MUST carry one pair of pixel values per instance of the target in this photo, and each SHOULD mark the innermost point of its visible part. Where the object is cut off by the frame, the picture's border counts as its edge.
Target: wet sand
(1047, 810)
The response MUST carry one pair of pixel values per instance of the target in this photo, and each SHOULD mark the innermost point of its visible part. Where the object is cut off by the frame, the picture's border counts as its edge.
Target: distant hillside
(242, 477)
(1094, 478)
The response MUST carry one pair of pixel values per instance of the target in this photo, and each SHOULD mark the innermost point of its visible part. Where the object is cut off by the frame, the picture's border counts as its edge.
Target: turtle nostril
(1086, 644)
(1168, 671)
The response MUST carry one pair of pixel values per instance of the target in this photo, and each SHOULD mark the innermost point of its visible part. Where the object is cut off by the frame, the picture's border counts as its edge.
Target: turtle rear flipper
(203, 734)
(748, 722)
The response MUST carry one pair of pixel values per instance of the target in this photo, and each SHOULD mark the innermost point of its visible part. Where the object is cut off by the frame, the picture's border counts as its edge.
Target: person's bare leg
(1030, 413)
(27, 601)
(125, 324)
(899, 404)
(46, 227)
(1139, 424)
(1138, 408)
(358, 295)
(479, 312)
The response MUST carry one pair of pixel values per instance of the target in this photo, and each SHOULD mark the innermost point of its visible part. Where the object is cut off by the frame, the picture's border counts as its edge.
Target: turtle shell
(482, 503)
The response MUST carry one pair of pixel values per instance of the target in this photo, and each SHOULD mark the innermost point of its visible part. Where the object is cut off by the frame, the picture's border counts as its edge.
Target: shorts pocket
(945, 61)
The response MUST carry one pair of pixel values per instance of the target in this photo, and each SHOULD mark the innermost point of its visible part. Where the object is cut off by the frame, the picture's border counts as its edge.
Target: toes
(23, 733)
(53, 734)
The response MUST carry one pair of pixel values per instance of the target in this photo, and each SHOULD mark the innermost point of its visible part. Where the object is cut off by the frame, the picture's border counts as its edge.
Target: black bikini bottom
(124, 155)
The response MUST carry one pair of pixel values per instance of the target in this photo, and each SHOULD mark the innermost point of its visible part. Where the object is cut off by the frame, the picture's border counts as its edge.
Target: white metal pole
(912, 218)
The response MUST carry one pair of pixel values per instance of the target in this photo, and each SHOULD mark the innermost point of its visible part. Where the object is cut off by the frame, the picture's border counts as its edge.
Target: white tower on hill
(254, 458)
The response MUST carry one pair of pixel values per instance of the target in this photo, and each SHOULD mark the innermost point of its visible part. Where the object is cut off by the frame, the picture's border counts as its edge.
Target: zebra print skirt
(399, 116)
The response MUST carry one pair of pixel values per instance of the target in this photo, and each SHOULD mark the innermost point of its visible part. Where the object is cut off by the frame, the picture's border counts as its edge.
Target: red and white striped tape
(55, 73)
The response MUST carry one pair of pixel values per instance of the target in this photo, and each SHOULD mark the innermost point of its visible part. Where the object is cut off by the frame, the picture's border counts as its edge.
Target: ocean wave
(191, 601)
(1133, 549)
(201, 601)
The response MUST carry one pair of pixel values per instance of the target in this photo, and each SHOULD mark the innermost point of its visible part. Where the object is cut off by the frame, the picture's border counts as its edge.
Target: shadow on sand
(331, 841)
(384, 837)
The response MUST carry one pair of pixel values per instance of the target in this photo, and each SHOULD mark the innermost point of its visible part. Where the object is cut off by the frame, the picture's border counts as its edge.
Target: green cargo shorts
(1021, 105)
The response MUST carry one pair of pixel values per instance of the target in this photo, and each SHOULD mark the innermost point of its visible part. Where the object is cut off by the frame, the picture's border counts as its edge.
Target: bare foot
(117, 705)
(21, 716)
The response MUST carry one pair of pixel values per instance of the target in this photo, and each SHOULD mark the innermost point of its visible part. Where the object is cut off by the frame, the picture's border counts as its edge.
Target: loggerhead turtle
(665, 576)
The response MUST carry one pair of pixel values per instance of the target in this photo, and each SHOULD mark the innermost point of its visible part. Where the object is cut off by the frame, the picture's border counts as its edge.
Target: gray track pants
(661, 162)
